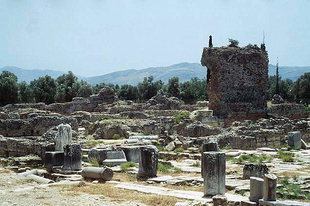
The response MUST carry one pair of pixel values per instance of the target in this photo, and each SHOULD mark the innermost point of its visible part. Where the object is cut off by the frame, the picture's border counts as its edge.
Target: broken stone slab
(53, 159)
(254, 170)
(248, 203)
(99, 173)
(282, 203)
(63, 137)
(182, 194)
(215, 172)
(270, 187)
(115, 158)
(256, 189)
(72, 157)
(294, 139)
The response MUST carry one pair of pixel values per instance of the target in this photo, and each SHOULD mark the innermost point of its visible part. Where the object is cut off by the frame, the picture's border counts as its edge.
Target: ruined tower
(238, 81)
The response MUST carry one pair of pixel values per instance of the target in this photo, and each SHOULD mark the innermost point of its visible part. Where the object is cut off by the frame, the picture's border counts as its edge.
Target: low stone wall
(292, 111)
(16, 147)
(33, 127)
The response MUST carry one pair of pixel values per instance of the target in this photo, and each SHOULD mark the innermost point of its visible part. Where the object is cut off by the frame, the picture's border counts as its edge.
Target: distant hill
(286, 72)
(28, 75)
(185, 72)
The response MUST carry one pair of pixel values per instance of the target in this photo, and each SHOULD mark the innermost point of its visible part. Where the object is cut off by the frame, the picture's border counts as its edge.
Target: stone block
(270, 187)
(254, 170)
(256, 189)
(63, 137)
(148, 163)
(294, 139)
(215, 171)
(114, 158)
(72, 157)
(53, 159)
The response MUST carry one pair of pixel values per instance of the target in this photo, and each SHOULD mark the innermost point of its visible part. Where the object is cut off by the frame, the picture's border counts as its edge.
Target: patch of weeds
(160, 148)
(241, 192)
(196, 164)
(227, 147)
(177, 170)
(286, 156)
(181, 116)
(192, 151)
(307, 109)
(165, 168)
(93, 143)
(94, 162)
(117, 136)
(291, 189)
(128, 166)
(252, 158)
(179, 149)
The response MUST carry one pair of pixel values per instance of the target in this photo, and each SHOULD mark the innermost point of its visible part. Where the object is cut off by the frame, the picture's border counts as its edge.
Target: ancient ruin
(230, 150)
(238, 81)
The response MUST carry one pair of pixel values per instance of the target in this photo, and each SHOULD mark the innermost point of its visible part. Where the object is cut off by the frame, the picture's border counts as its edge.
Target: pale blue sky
(92, 37)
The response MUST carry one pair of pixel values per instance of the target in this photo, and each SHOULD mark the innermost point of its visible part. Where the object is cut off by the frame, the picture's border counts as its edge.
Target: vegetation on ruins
(64, 88)
(252, 158)
(128, 166)
(181, 116)
(290, 188)
(286, 156)
(233, 43)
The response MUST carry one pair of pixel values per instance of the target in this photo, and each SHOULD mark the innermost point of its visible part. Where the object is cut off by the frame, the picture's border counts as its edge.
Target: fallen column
(39, 179)
(99, 173)
(270, 187)
(256, 189)
(214, 173)
(148, 163)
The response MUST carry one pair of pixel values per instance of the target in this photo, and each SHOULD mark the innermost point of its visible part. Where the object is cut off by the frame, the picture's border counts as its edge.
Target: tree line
(67, 86)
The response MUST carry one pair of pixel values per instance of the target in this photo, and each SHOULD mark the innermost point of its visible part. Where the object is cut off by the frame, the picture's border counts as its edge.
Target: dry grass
(120, 195)
(6, 171)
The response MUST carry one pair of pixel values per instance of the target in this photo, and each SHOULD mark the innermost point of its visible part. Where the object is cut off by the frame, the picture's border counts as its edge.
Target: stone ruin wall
(238, 81)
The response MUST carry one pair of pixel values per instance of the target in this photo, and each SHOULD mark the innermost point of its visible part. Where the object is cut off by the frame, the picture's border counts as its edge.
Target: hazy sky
(91, 37)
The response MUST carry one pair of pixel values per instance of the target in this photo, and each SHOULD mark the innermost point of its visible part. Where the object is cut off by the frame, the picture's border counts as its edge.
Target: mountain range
(185, 71)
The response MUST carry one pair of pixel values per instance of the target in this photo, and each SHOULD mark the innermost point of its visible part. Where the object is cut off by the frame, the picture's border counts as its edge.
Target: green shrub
(160, 148)
(252, 158)
(179, 149)
(286, 156)
(164, 167)
(128, 166)
(117, 136)
(196, 164)
(94, 162)
(291, 189)
(181, 116)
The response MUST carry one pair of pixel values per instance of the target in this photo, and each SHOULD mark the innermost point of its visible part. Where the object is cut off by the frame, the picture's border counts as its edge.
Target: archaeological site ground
(237, 148)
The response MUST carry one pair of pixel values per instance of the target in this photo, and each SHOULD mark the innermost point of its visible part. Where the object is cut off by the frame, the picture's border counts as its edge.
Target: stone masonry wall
(238, 82)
